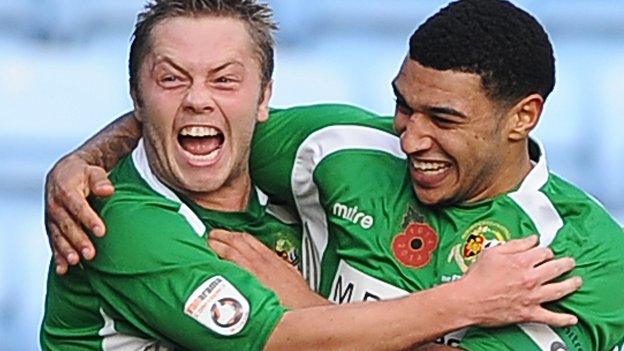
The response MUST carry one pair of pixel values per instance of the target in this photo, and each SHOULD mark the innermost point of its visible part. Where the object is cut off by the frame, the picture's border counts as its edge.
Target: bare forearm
(110, 144)
(389, 325)
(303, 299)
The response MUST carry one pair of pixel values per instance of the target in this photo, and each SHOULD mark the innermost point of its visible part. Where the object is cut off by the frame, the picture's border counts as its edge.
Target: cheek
(478, 155)
(240, 109)
(463, 149)
(158, 123)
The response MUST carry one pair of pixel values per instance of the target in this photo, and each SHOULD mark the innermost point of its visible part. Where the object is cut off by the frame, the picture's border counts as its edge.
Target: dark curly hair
(503, 44)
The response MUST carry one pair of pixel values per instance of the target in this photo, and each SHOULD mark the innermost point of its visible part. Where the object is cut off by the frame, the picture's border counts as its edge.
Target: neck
(516, 165)
(231, 197)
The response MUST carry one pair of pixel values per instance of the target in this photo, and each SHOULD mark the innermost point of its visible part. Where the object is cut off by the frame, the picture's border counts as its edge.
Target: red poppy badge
(414, 247)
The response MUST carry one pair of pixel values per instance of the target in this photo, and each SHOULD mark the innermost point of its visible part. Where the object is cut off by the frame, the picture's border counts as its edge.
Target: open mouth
(430, 168)
(429, 173)
(201, 142)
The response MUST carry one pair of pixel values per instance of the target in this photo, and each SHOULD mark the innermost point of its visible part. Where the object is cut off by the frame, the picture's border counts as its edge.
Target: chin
(203, 185)
(431, 197)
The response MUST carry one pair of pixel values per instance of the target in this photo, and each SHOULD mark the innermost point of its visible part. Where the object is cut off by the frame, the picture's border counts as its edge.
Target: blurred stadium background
(63, 76)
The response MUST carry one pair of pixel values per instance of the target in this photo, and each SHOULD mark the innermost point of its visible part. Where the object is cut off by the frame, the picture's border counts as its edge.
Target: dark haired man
(465, 106)
(200, 80)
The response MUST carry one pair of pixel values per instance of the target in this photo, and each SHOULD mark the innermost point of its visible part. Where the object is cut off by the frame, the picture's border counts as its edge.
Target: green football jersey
(571, 224)
(155, 284)
(367, 237)
(343, 171)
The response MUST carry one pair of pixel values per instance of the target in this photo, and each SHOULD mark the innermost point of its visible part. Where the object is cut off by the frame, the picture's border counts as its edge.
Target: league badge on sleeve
(218, 305)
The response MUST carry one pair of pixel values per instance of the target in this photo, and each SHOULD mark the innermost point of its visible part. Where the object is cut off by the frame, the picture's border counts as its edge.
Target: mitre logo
(353, 215)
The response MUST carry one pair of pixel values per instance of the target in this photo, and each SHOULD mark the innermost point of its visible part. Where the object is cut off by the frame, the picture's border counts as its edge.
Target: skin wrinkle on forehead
(254, 45)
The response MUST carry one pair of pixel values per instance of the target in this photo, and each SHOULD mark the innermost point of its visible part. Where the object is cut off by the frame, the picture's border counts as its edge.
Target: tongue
(200, 146)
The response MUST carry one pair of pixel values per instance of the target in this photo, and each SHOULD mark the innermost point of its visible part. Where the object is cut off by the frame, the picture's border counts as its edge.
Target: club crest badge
(287, 250)
(478, 237)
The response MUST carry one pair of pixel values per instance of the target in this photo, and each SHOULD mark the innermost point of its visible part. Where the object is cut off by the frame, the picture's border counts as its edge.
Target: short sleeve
(155, 273)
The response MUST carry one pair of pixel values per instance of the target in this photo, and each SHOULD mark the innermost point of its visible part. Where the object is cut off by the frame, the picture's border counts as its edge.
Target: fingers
(544, 316)
(65, 252)
(232, 250)
(230, 253)
(518, 245)
(219, 234)
(80, 209)
(552, 269)
(68, 231)
(534, 256)
(556, 291)
(99, 184)
(241, 241)
(245, 250)
(61, 263)
(221, 249)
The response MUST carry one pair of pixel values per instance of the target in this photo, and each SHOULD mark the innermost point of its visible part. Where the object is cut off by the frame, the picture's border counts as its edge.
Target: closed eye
(444, 121)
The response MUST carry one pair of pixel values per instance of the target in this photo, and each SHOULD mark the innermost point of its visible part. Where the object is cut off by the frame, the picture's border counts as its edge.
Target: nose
(414, 135)
(198, 99)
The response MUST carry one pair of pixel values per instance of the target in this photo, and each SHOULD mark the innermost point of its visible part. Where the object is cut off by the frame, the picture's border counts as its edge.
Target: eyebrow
(226, 65)
(169, 61)
(444, 110)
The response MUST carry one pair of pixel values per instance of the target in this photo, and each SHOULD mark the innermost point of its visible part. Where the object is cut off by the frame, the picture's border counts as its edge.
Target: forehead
(202, 40)
(427, 86)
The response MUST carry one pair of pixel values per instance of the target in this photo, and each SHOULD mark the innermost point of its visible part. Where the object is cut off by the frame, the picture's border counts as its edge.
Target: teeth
(430, 167)
(197, 131)
(434, 172)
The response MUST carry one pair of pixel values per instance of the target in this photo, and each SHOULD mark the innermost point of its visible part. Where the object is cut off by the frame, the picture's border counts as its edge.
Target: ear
(263, 107)
(523, 117)
(136, 100)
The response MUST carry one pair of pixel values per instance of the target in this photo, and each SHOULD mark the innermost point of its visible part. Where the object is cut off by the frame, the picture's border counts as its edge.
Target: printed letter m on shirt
(341, 296)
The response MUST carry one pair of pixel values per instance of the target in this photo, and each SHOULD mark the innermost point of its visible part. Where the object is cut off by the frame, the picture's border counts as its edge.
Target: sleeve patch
(219, 306)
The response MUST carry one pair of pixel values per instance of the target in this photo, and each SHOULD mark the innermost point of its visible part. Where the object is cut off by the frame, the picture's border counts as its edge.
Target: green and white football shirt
(571, 224)
(367, 237)
(155, 284)
(343, 171)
